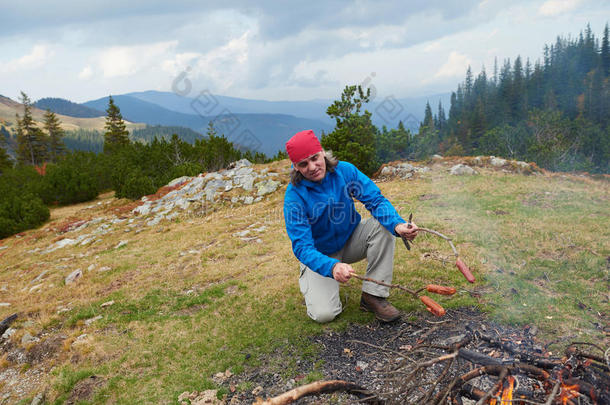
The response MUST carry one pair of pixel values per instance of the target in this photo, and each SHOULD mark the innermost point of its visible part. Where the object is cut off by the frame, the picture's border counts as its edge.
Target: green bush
(135, 185)
(74, 179)
(19, 212)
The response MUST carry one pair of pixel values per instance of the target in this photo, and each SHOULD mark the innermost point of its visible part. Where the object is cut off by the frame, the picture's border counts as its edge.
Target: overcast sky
(273, 50)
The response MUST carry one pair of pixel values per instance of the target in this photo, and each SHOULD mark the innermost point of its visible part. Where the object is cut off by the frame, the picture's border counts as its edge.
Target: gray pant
(371, 240)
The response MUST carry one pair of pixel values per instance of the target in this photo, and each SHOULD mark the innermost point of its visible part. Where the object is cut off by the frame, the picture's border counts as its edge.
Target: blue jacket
(321, 216)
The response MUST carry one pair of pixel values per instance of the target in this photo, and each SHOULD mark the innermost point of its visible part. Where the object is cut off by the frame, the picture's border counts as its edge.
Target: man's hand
(342, 272)
(407, 231)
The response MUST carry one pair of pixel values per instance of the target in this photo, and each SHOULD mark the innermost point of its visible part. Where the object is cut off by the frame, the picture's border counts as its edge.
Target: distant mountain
(212, 104)
(66, 107)
(266, 133)
(386, 111)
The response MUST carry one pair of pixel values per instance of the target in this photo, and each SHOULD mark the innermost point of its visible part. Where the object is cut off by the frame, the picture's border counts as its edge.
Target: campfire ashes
(461, 359)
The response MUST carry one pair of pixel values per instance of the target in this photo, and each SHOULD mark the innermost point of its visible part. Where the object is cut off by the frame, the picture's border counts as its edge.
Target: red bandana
(302, 145)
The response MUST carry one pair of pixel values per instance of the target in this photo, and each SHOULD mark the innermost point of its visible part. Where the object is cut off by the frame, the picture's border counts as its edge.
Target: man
(327, 233)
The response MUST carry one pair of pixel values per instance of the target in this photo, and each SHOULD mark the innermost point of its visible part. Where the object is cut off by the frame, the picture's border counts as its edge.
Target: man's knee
(322, 315)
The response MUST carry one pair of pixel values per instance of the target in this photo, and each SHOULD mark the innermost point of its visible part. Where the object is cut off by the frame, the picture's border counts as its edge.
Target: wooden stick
(414, 293)
(448, 239)
(317, 387)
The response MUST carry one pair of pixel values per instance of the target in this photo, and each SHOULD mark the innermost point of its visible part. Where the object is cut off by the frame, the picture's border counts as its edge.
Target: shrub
(74, 179)
(19, 212)
(135, 185)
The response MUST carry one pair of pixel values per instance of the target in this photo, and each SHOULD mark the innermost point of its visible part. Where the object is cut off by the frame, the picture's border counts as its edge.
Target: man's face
(313, 168)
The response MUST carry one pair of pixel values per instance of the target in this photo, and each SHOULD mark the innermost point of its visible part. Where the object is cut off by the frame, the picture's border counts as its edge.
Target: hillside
(67, 107)
(8, 109)
(137, 302)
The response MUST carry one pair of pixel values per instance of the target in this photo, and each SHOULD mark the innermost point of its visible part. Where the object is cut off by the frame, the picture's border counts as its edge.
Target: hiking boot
(383, 310)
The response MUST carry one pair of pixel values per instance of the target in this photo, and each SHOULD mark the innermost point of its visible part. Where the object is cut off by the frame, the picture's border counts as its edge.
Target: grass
(538, 246)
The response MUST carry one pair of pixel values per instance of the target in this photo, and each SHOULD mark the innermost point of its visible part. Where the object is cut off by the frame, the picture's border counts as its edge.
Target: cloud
(36, 58)
(86, 73)
(120, 61)
(552, 8)
(454, 67)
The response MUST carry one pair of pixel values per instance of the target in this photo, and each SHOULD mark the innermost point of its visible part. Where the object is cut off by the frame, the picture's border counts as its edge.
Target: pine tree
(53, 127)
(605, 53)
(31, 141)
(428, 118)
(442, 120)
(353, 138)
(116, 135)
(5, 160)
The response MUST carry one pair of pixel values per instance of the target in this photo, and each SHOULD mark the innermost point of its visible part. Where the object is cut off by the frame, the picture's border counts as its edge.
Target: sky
(272, 50)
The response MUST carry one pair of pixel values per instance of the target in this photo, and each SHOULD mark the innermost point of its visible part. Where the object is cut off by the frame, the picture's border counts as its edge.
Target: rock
(257, 390)
(39, 277)
(8, 333)
(91, 320)
(91, 267)
(178, 181)
(183, 396)
(36, 287)
(388, 171)
(72, 277)
(362, 365)
(107, 304)
(437, 157)
(245, 181)
(242, 233)
(104, 269)
(497, 162)
(27, 339)
(38, 399)
(59, 244)
(121, 244)
(267, 187)
(207, 397)
(248, 200)
(5, 304)
(240, 163)
(478, 161)
(523, 165)
(143, 209)
(460, 169)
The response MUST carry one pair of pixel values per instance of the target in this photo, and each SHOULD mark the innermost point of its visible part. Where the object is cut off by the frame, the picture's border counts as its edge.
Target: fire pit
(463, 359)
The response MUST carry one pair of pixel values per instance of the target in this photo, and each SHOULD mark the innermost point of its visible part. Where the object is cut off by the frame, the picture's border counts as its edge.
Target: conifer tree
(5, 160)
(53, 127)
(31, 141)
(353, 139)
(116, 135)
(605, 53)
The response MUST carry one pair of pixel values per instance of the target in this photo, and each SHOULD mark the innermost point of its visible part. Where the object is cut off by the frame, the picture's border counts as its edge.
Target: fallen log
(319, 387)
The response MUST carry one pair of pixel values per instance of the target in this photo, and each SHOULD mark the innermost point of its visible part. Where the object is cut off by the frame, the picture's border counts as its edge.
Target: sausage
(432, 306)
(464, 269)
(439, 289)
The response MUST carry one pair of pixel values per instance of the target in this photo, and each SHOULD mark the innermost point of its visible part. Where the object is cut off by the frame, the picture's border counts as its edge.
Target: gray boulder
(460, 170)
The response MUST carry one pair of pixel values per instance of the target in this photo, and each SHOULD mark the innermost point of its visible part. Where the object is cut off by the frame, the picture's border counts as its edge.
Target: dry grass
(191, 299)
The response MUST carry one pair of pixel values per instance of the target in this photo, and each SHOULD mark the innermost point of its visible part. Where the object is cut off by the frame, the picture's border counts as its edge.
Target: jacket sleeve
(299, 232)
(362, 188)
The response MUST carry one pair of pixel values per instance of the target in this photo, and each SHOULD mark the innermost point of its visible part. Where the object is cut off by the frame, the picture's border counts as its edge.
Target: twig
(442, 236)
(550, 399)
(495, 388)
(414, 293)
